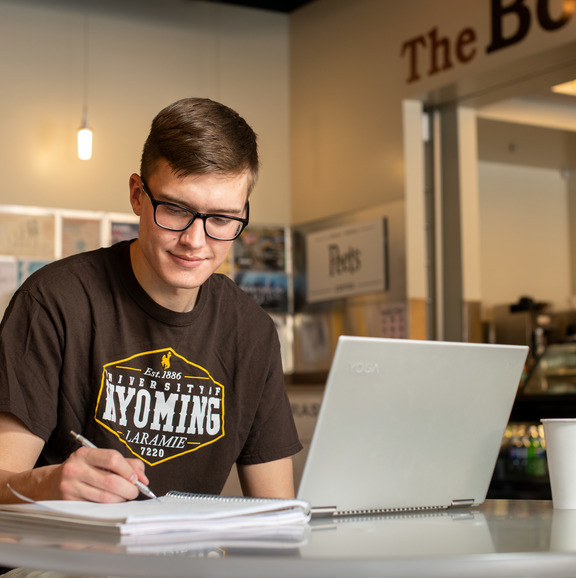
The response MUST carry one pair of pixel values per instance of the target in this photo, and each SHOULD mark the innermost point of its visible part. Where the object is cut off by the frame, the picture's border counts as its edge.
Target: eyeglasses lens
(178, 219)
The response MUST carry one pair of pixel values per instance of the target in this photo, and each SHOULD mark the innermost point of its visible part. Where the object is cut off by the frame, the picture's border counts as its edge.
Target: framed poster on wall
(79, 235)
(27, 234)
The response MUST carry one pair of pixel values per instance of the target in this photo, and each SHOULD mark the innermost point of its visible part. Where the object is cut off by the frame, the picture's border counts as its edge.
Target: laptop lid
(408, 425)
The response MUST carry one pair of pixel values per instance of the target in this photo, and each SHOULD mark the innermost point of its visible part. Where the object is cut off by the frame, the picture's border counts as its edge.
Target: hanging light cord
(85, 134)
(85, 71)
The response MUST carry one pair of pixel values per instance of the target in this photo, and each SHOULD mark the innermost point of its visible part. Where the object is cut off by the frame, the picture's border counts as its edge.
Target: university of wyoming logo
(160, 405)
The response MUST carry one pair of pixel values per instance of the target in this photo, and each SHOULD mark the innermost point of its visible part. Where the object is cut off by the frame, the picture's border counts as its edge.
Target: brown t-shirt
(84, 348)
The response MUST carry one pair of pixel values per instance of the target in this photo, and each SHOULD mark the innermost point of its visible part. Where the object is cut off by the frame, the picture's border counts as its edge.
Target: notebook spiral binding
(214, 497)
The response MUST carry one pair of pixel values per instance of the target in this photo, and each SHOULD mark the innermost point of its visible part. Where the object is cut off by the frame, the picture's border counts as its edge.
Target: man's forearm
(34, 484)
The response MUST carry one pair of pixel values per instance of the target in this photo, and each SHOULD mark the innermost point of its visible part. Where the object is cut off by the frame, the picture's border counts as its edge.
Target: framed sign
(346, 260)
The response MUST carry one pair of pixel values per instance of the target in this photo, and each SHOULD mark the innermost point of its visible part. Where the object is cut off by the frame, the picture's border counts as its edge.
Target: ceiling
(543, 108)
(285, 6)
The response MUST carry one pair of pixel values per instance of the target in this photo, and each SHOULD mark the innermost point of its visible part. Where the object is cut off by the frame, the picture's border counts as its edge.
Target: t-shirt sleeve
(30, 361)
(273, 435)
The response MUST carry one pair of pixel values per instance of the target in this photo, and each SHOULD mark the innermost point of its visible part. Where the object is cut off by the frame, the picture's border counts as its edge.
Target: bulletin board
(31, 237)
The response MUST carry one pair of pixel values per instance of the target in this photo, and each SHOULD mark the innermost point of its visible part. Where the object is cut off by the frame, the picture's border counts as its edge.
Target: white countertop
(500, 538)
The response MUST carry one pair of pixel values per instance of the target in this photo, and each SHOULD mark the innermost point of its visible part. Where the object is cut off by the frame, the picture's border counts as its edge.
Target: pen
(88, 444)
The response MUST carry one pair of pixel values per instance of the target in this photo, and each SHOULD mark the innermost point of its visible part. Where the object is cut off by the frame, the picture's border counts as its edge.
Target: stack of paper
(174, 512)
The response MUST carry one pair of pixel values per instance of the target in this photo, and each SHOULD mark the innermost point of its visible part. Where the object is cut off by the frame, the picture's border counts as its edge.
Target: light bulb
(85, 143)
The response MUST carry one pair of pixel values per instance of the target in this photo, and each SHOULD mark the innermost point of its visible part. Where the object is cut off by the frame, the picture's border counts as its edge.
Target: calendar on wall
(393, 323)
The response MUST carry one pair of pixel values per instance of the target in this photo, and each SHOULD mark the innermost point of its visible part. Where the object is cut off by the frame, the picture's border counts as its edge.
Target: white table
(500, 538)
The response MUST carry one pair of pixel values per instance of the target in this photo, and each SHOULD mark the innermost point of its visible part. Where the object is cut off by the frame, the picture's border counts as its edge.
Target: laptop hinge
(323, 511)
(462, 503)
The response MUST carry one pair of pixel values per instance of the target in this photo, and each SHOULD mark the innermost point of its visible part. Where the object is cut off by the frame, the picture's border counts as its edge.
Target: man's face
(172, 265)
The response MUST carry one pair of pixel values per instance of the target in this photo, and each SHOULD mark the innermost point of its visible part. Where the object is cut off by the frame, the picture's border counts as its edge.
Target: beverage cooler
(548, 390)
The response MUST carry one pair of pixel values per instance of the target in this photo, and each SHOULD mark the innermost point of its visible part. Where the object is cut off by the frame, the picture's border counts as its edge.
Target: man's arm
(268, 480)
(88, 474)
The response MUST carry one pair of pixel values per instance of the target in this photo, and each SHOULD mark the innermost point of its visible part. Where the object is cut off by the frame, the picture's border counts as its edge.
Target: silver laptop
(409, 425)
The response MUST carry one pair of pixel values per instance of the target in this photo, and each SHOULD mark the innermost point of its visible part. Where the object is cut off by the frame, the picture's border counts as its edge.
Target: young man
(172, 371)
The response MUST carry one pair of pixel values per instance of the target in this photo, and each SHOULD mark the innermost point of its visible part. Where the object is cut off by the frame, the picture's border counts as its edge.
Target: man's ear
(135, 193)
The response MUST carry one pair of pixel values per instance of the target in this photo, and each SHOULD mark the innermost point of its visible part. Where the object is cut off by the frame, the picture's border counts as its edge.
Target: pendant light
(85, 140)
(85, 133)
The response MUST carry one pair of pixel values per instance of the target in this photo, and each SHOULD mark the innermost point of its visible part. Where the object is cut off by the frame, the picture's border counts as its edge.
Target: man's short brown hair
(201, 136)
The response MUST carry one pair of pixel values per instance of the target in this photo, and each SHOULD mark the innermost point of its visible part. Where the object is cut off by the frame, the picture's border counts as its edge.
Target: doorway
(503, 204)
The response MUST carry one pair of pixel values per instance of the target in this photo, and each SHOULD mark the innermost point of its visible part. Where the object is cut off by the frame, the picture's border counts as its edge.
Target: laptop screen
(408, 424)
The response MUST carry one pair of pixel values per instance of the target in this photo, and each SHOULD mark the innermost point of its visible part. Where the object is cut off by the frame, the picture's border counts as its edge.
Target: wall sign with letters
(346, 260)
(510, 22)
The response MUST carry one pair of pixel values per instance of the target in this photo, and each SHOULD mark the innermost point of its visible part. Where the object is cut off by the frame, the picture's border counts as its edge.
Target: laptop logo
(365, 367)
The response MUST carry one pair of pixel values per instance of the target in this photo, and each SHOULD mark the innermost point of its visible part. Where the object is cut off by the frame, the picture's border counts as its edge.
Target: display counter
(548, 391)
(500, 538)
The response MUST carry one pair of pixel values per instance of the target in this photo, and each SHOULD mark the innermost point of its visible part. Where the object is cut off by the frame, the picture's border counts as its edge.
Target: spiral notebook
(409, 425)
(174, 512)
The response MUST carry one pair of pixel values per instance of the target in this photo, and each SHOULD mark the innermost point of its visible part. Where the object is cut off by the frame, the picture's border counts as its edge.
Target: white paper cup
(560, 436)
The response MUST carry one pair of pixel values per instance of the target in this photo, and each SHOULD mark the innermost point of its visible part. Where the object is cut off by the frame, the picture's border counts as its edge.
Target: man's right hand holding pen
(142, 487)
(90, 474)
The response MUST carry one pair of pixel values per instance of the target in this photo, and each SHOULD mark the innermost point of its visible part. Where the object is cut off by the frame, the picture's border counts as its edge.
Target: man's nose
(194, 235)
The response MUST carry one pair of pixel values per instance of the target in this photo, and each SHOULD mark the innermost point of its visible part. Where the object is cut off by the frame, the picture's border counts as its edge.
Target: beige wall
(346, 114)
(527, 172)
(529, 253)
(142, 56)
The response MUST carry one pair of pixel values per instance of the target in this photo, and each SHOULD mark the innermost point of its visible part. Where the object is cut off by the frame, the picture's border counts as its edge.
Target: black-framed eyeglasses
(177, 218)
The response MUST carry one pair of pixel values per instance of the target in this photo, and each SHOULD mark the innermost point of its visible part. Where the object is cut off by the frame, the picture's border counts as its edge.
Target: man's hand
(97, 475)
